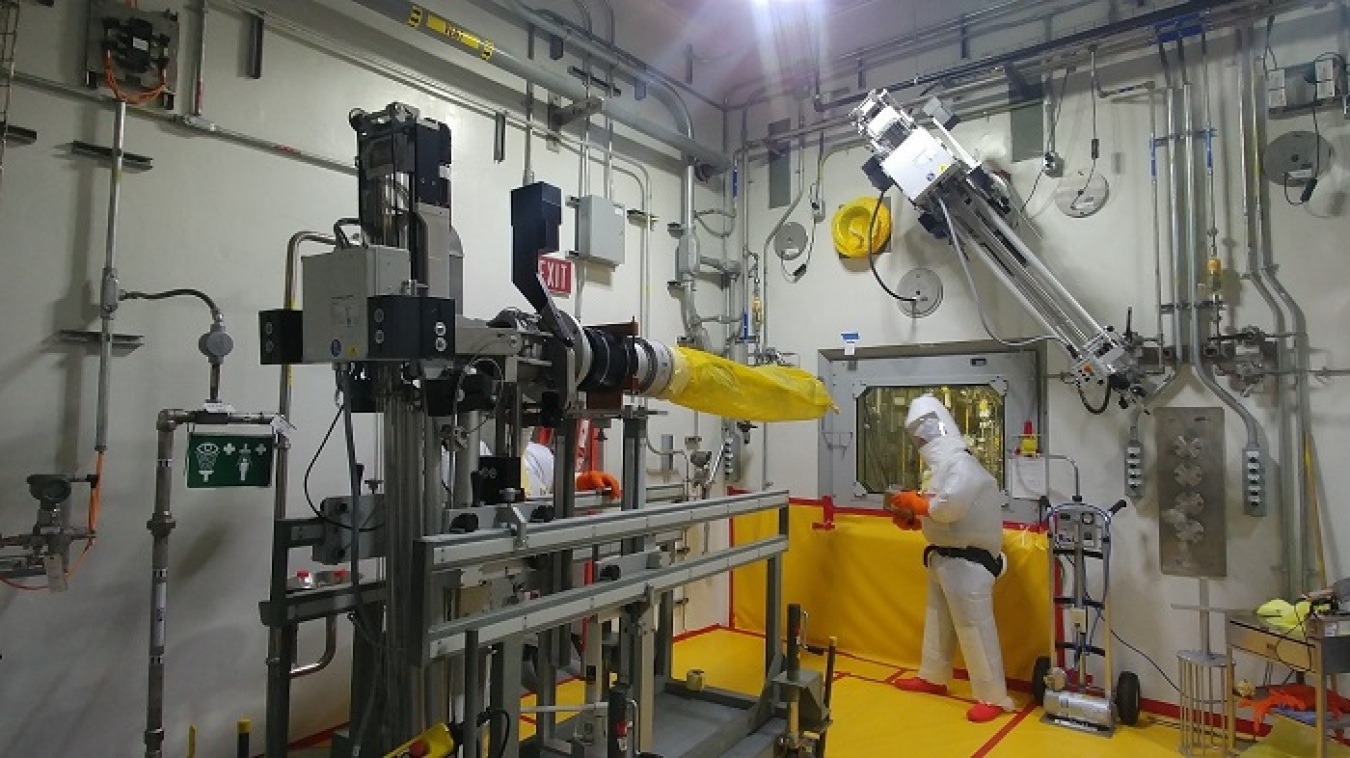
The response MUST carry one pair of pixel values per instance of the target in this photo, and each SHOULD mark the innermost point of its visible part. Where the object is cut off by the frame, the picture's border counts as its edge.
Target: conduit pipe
(1309, 535)
(199, 61)
(1253, 211)
(1094, 34)
(557, 83)
(687, 258)
(195, 125)
(1192, 246)
(108, 289)
(279, 638)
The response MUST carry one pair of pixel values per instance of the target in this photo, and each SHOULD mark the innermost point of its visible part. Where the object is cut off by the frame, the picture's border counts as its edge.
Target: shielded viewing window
(887, 456)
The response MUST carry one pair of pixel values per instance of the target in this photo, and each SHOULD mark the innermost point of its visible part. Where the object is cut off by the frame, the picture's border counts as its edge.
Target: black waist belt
(994, 563)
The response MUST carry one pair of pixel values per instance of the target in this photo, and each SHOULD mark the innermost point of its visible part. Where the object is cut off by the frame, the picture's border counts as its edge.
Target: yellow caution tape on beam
(484, 48)
(415, 16)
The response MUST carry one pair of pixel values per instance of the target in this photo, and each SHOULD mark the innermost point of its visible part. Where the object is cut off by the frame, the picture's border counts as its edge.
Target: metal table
(1321, 649)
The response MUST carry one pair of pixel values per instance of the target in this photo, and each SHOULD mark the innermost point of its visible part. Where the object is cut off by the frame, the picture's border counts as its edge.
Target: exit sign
(557, 274)
(228, 460)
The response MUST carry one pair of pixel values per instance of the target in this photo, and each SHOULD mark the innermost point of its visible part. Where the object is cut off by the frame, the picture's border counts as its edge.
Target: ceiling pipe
(637, 68)
(661, 90)
(1095, 34)
(560, 84)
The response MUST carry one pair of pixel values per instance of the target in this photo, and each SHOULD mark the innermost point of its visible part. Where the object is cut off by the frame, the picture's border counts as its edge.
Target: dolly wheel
(1038, 674)
(1127, 698)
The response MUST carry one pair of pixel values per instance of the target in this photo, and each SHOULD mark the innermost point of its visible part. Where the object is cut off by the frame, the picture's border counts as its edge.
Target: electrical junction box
(600, 230)
(337, 287)
(1298, 87)
(920, 162)
(140, 46)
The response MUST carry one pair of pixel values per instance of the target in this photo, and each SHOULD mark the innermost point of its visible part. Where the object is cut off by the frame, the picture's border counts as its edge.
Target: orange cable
(110, 79)
(24, 587)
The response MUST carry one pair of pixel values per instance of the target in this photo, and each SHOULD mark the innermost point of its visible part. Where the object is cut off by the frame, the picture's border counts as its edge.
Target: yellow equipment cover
(714, 385)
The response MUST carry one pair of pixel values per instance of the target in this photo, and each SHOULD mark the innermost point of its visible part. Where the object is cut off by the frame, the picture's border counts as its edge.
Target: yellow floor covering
(874, 719)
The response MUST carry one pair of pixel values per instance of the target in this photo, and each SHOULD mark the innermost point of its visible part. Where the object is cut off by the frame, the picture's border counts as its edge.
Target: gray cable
(180, 292)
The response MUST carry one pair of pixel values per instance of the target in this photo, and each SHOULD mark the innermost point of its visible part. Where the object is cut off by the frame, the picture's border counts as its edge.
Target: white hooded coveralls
(964, 512)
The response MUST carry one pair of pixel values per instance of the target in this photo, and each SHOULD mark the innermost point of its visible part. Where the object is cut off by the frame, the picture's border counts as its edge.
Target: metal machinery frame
(470, 571)
(958, 199)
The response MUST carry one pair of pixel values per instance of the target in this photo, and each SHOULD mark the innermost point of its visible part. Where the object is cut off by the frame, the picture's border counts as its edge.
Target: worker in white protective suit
(960, 515)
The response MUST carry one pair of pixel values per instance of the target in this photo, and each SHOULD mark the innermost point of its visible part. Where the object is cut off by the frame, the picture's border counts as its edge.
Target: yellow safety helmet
(850, 224)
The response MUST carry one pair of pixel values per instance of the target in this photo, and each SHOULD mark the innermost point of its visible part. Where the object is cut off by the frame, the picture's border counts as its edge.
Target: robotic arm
(957, 198)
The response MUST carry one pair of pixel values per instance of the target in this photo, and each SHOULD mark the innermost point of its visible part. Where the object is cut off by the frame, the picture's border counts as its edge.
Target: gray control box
(600, 230)
(338, 517)
(337, 288)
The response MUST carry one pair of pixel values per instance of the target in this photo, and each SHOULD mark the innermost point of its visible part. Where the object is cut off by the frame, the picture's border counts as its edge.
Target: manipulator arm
(957, 198)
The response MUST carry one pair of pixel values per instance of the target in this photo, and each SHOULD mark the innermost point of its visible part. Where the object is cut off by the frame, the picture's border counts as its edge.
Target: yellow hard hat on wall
(850, 224)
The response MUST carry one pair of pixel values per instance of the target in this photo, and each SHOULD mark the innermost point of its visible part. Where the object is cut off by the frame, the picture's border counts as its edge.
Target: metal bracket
(131, 161)
(84, 337)
(18, 135)
(560, 116)
(519, 523)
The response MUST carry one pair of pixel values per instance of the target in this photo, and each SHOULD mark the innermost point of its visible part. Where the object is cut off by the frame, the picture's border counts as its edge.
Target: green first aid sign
(225, 460)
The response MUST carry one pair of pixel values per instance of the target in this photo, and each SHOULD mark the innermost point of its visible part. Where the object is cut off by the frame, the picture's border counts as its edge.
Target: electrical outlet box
(1134, 469)
(601, 224)
(1305, 85)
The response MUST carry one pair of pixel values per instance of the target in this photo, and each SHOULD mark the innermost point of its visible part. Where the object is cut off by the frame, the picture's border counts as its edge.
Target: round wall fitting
(1082, 193)
(925, 286)
(790, 241)
(1292, 159)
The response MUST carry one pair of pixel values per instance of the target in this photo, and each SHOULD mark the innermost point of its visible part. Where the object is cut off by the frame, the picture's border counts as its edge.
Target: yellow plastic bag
(710, 384)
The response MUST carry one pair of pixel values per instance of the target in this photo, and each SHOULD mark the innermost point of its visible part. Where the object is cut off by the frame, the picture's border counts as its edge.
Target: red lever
(419, 749)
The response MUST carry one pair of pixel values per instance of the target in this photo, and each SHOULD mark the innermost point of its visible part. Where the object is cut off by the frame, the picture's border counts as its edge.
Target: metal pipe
(280, 645)
(1253, 213)
(1202, 370)
(1094, 34)
(612, 21)
(636, 68)
(199, 60)
(329, 650)
(196, 125)
(664, 92)
(108, 291)
(906, 47)
(160, 525)
(584, 165)
(1302, 566)
(556, 83)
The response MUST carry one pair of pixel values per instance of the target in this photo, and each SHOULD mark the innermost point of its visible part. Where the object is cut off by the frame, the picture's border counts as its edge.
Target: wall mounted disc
(925, 286)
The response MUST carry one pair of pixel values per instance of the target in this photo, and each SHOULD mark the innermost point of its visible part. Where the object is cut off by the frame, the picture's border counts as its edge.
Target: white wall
(1106, 261)
(217, 215)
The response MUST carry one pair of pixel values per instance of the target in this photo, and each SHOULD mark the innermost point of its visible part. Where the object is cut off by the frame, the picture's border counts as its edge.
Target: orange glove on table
(600, 480)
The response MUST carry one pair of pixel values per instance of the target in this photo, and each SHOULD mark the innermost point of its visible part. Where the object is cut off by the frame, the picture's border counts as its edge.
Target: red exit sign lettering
(557, 274)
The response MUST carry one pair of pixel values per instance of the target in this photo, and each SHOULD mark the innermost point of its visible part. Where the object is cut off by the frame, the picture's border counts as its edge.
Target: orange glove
(908, 525)
(908, 505)
(599, 480)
